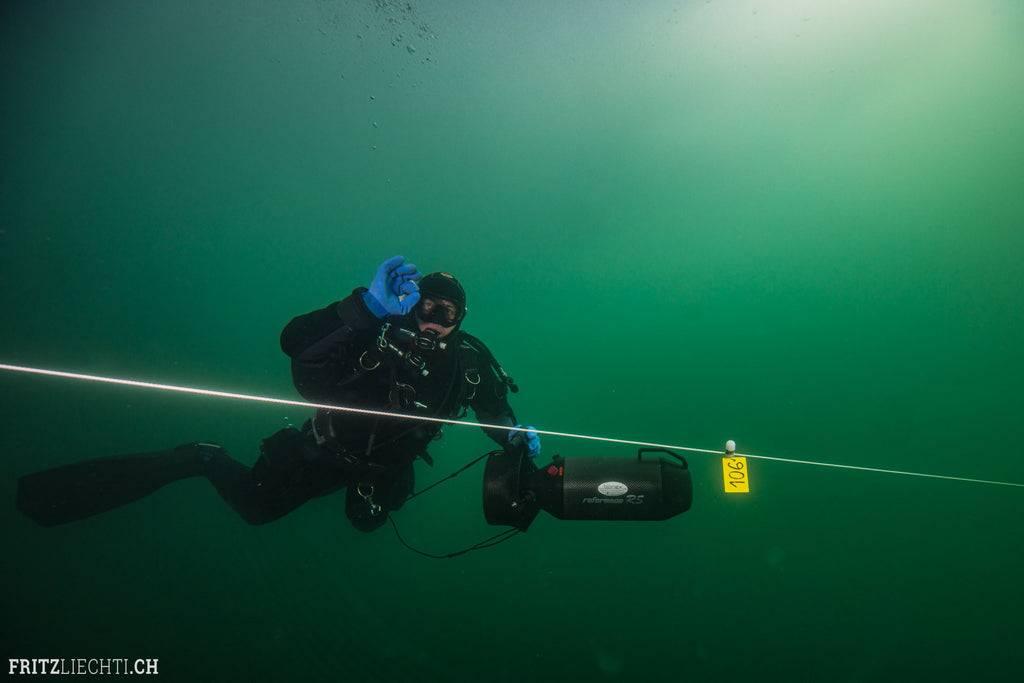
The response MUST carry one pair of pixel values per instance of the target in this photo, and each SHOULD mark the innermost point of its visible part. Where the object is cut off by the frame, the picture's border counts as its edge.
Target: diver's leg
(290, 471)
(71, 492)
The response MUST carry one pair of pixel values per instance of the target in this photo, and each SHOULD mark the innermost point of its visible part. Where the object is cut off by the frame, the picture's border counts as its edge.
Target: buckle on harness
(403, 397)
(319, 437)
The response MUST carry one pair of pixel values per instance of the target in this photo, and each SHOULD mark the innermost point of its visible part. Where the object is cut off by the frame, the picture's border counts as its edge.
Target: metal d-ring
(375, 509)
(366, 367)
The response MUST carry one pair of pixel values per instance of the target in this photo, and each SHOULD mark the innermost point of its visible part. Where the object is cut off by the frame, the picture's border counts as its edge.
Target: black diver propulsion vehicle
(645, 488)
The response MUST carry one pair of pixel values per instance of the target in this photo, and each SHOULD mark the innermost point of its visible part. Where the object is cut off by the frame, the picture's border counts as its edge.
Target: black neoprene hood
(443, 286)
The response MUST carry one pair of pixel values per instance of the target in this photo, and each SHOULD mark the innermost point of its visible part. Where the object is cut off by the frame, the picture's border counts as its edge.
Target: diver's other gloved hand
(528, 441)
(393, 290)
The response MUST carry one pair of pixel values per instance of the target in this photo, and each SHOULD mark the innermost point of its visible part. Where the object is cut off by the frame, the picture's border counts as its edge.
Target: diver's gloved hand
(529, 441)
(393, 290)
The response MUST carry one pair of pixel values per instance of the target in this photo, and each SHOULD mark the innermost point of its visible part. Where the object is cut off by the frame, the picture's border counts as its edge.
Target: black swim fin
(72, 492)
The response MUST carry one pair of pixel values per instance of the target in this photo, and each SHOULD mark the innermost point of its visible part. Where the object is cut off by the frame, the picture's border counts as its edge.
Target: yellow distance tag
(734, 470)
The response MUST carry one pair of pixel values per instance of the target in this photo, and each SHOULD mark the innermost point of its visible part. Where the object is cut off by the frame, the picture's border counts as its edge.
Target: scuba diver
(395, 347)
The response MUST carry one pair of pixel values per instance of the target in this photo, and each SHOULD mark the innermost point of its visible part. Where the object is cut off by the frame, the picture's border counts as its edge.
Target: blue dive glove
(528, 441)
(394, 290)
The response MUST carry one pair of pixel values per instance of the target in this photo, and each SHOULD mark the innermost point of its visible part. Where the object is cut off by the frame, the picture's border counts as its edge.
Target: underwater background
(796, 224)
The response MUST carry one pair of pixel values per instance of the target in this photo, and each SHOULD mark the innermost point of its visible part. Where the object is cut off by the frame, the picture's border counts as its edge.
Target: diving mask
(439, 311)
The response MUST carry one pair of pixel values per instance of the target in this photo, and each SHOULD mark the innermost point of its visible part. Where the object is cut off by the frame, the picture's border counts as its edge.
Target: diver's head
(442, 304)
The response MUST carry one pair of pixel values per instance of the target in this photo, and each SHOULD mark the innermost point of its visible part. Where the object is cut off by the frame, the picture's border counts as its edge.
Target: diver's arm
(320, 343)
(314, 337)
(491, 407)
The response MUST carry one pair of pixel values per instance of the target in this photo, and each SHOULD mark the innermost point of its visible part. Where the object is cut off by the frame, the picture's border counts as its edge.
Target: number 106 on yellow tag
(734, 470)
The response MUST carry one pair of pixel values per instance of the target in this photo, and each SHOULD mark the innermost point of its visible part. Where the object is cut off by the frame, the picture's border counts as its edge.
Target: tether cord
(361, 411)
(486, 543)
(450, 476)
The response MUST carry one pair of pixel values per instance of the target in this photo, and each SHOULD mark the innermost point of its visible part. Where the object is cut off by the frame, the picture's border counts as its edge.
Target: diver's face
(440, 315)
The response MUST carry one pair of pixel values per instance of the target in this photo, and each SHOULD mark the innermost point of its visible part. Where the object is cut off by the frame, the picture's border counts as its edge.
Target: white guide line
(304, 404)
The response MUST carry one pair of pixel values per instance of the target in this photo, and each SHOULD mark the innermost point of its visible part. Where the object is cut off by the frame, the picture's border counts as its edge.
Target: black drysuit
(341, 356)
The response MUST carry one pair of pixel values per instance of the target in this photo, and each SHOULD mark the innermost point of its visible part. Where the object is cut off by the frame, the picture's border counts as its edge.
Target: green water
(793, 224)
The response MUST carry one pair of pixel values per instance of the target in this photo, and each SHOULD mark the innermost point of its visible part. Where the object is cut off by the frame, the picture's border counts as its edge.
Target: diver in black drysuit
(394, 348)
